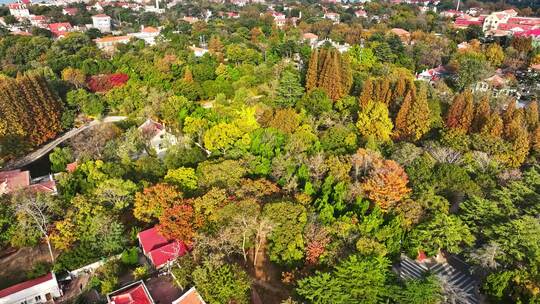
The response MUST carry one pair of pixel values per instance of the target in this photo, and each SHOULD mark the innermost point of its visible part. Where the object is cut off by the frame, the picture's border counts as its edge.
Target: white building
(493, 20)
(158, 138)
(102, 22)
(19, 10)
(197, 51)
(332, 16)
(39, 290)
(148, 34)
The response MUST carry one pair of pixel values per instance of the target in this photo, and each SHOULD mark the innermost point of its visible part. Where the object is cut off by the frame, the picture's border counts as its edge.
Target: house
(14, 180)
(108, 43)
(19, 10)
(404, 35)
(159, 250)
(190, 20)
(493, 20)
(102, 22)
(451, 13)
(148, 34)
(38, 290)
(38, 21)
(199, 52)
(497, 85)
(360, 14)
(134, 293)
(310, 38)
(342, 48)
(70, 11)
(157, 136)
(190, 297)
(431, 75)
(332, 16)
(465, 20)
(61, 29)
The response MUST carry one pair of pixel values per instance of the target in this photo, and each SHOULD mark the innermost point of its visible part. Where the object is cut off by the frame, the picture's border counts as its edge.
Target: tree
(315, 102)
(471, 67)
(286, 241)
(289, 89)
(224, 283)
(386, 184)
(313, 71)
(35, 212)
(179, 222)
(481, 114)
(531, 115)
(59, 158)
(357, 280)
(74, 76)
(373, 121)
(519, 137)
(461, 112)
(115, 193)
(30, 108)
(442, 231)
(182, 177)
(495, 54)
(423, 291)
(414, 116)
(151, 203)
(222, 137)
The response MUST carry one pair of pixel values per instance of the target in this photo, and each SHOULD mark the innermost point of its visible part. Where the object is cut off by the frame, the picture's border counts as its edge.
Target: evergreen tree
(330, 76)
(461, 112)
(493, 126)
(188, 75)
(414, 116)
(313, 71)
(508, 113)
(531, 115)
(289, 90)
(367, 93)
(481, 115)
(518, 136)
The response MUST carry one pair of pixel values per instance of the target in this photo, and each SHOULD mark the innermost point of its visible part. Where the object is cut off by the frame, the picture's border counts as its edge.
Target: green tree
(59, 158)
(222, 283)
(442, 231)
(184, 178)
(356, 280)
(289, 89)
(286, 240)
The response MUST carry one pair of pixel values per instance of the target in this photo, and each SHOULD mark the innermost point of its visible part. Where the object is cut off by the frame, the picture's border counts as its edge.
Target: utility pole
(457, 8)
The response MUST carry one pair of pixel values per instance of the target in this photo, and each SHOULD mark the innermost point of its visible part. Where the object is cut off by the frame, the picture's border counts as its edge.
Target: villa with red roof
(61, 29)
(158, 249)
(159, 139)
(39, 290)
(135, 293)
(190, 297)
(16, 180)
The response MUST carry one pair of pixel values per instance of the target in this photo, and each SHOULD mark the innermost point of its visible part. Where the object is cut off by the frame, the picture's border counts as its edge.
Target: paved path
(33, 156)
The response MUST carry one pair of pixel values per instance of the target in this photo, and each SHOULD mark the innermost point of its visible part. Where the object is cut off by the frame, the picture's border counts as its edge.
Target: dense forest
(311, 170)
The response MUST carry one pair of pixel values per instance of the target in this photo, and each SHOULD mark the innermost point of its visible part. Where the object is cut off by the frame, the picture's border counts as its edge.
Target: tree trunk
(50, 248)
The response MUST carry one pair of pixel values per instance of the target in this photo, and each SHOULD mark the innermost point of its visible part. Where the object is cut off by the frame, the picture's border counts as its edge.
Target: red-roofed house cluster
(138, 293)
(14, 180)
(158, 249)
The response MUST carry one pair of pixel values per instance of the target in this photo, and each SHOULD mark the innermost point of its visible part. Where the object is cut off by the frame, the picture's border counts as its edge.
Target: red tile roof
(25, 285)
(169, 252)
(60, 27)
(150, 239)
(190, 297)
(43, 187)
(71, 167)
(136, 294)
(15, 179)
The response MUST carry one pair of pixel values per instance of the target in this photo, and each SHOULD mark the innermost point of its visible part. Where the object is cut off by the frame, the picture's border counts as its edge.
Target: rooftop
(135, 293)
(25, 285)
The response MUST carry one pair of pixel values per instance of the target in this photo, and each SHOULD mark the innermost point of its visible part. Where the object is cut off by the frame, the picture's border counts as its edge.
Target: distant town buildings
(334, 17)
(19, 10)
(102, 22)
(109, 43)
(197, 51)
(40, 290)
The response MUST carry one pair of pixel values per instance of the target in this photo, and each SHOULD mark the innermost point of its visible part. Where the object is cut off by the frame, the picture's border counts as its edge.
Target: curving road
(32, 157)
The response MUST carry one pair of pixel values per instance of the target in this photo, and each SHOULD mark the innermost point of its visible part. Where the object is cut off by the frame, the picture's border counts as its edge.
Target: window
(37, 298)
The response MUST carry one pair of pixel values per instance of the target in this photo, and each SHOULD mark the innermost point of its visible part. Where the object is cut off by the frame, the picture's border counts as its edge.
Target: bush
(130, 256)
(141, 273)
(39, 269)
